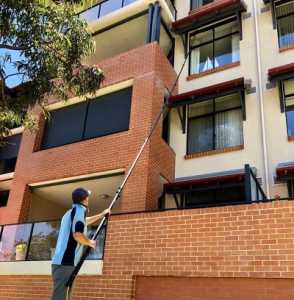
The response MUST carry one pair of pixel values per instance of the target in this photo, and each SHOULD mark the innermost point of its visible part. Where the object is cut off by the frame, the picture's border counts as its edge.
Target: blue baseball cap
(80, 194)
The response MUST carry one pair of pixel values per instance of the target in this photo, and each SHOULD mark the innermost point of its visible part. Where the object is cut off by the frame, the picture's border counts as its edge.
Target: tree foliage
(51, 42)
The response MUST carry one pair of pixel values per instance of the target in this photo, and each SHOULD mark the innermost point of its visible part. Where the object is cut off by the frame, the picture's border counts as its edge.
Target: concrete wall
(42, 209)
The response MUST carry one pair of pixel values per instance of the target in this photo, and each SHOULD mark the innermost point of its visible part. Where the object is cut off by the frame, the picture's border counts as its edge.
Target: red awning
(284, 170)
(279, 71)
(186, 183)
(210, 90)
(216, 7)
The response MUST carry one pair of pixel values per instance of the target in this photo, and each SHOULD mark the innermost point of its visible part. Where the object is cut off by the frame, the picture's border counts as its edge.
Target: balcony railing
(36, 242)
(253, 189)
(103, 8)
(108, 6)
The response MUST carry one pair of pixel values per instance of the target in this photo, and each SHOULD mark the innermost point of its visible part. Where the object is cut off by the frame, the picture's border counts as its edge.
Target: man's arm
(82, 239)
(94, 219)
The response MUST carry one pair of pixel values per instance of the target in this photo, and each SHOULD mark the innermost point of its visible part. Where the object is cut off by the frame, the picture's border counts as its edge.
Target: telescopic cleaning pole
(165, 108)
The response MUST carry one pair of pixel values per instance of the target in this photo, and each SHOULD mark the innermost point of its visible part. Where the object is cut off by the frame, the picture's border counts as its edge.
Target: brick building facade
(207, 213)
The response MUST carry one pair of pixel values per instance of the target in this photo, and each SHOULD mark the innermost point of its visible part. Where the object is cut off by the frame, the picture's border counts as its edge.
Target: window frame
(283, 99)
(83, 138)
(213, 41)
(275, 5)
(213, 114)
(191, 5)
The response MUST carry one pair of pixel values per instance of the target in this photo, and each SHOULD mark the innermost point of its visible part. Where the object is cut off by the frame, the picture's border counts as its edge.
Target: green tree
(42, 46)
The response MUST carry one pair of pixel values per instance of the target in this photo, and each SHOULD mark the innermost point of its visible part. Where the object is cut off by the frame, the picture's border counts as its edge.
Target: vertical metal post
(1, 231)
(29, 241)
(155, 23)
(247, 184)
(149, 25)
(282, 95)
(274, 15)
(158, 26)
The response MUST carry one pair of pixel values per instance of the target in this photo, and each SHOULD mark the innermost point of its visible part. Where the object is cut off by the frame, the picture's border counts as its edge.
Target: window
(108, 114)
(214, 47)
(105, 115)
(65, 126)
(199, 3)
(215, 195)
(4, 198)
(103, 8)
(215, 124)
(289, 104)
(285, 23)
(8, 153)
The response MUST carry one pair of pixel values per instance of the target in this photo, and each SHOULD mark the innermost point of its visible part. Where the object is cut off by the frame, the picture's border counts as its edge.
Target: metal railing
(106, 7)
(253, 189)
(103, 8)
(36, 241)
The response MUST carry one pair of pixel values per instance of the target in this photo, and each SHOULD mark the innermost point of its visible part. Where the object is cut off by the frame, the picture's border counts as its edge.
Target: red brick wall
(246, 241)
(111, 152)
(167, 288)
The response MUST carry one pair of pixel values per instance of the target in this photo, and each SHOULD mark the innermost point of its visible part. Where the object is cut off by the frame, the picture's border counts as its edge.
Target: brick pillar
(143, 189)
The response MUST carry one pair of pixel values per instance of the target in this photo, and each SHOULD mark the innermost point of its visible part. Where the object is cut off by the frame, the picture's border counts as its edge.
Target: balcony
(106, 7)
(119, 26)
(31, 247)
(211, 190)
(50, 200)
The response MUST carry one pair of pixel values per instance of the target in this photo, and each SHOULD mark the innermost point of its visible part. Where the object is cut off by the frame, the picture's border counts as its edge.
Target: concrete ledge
(7, 176)
(90, 267)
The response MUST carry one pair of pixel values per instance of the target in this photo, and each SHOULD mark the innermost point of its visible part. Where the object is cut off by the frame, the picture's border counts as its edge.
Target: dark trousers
(60, 275)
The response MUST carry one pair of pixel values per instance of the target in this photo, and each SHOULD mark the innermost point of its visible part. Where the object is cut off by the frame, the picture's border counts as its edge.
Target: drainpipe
(261, 96)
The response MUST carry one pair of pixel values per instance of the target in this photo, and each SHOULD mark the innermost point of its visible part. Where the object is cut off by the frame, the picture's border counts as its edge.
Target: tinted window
(8, 153)
(3, 198)
(102, 116)
(109, 114)
(65, 126)
(215, 196)
(10, 148)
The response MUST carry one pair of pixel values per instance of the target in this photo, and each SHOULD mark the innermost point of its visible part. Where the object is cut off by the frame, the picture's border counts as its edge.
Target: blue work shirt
(68, 251)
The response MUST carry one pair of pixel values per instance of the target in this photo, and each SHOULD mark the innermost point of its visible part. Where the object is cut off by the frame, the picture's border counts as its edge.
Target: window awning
(281, 72)
(213, 178)
(206, 93)
(278, 74)
(209, 13)
(285, 171)
(203, 94)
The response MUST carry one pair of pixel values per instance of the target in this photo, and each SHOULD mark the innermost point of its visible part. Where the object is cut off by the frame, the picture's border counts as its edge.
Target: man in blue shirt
(71, 239)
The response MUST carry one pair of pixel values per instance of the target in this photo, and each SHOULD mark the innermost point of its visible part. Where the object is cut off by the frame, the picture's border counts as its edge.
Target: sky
(9, 67)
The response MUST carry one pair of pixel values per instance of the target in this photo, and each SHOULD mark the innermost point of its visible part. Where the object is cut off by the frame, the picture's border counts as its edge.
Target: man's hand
(106, 212)
(94, 219)
(92, 244)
